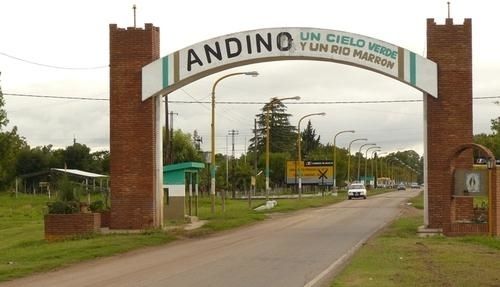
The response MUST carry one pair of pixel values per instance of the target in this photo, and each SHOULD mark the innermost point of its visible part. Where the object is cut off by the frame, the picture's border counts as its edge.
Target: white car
(356, 190)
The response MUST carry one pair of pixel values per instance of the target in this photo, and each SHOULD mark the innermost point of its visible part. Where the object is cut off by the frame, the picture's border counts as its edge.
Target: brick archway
(461, 148)
(462, 206)
(135, 136)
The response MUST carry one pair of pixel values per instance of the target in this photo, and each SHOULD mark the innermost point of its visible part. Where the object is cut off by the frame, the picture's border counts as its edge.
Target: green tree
(220, 171)
(183, 148)
(77, 156)
(242, 174)
(100, 162)
(31, 160)
(3, 114)
(309, 140)
(10, 145)
(491, 141)
(401, 162)
(282, 134)
(495, 126)
(56, 158)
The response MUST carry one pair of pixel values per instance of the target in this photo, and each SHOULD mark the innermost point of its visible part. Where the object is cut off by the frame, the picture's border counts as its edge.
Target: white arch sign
(199, 60)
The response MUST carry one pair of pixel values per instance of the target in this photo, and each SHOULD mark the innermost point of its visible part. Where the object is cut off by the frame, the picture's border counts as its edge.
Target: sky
(70, 39)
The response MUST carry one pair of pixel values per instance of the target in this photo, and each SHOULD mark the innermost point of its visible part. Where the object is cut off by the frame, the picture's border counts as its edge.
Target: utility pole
(171, 138)
(255, 146)
(166, 145)
(253, 181)
(232, 133)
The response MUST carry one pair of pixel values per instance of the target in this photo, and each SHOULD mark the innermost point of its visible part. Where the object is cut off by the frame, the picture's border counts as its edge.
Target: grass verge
(24, 251)
(398, 257)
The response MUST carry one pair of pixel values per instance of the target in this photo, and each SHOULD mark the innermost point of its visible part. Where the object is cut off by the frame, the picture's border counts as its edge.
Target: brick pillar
(495, 188)
(133, 129)
(449, 117)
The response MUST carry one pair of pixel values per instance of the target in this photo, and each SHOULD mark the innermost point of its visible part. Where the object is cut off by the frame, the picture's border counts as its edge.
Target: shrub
(63, 207)
(66, 190)
(68, 200)
(97, 206)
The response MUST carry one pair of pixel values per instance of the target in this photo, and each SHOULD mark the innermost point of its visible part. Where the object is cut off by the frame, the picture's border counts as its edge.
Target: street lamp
(335, 157)
(269, 106)
(298, 148)
(366, 157)
(349, 158)
(359, 155)
(376, 172)
(390, 169)
(212, 169)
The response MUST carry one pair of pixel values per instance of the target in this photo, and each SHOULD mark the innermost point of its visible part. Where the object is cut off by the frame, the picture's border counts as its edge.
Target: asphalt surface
(301, 249)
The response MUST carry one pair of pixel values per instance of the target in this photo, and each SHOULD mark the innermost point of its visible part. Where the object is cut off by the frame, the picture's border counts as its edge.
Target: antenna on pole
(448, 9)
(134, 7)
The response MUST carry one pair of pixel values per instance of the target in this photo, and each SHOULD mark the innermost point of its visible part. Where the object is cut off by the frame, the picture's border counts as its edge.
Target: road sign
(313, 172)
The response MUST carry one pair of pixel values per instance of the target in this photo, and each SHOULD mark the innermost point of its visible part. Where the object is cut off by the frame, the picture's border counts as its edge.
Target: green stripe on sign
(401, 63)
(164, 72)
(413, 68)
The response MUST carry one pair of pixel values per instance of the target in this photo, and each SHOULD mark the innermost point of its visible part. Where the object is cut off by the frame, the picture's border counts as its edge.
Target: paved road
(289, 250)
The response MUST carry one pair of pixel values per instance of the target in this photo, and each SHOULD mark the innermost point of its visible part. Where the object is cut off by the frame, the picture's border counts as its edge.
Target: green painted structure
(180, 180)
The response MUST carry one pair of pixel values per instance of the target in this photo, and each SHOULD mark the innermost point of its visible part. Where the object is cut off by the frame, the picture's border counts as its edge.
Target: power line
(56, 97)
(300, 103)
(51, 66)
(243, 102)
(319, 102)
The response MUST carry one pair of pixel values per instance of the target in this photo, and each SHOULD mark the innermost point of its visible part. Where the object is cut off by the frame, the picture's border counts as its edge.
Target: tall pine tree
(309, 140)
(281, 133)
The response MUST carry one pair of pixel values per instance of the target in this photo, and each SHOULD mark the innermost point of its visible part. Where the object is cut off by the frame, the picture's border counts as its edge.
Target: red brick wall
(58, 226)
(132, 128)
(449, 117)
(105, 218)
(462, 208)
(461, 229)
(495, 187)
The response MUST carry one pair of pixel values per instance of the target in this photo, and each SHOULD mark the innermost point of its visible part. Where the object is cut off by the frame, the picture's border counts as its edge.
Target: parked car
(356, 190)
(401, 186)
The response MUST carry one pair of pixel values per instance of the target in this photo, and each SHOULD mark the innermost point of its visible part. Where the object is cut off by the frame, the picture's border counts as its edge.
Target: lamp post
(298, 149)
(335, 157)
(366, 158)
(269, 106)
(349, 158)
(399, 172)
(359, 155)
(387, 166)
(212, 132)
(390, 169)
(376, 172)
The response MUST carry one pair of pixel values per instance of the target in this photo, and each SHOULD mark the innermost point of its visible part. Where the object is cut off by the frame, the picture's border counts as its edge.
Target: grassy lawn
(398, 257)
(23, 249)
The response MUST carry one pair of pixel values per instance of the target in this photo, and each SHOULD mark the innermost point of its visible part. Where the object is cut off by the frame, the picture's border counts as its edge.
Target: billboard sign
(313, 172)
